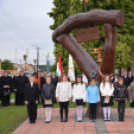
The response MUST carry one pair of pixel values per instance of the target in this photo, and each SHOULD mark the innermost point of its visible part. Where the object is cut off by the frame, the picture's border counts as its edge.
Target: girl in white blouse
(63, 96)
(106, 89)
(79, 96)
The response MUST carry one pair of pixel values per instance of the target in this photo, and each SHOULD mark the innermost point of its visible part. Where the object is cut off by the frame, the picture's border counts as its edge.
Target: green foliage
(7, 65)
(64, 8)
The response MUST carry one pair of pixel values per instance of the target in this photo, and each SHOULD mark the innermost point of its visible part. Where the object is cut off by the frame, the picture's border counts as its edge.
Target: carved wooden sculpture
(110, 19)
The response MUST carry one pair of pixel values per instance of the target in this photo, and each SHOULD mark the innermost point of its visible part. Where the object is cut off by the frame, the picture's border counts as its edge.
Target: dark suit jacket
(31, 93)
(20, 84)
(43, 81)
(6, 81)
(126, 81)
(54, 81)
(130, 80)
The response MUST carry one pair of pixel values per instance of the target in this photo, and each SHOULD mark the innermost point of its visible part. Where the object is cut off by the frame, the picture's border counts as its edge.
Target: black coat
(20, 84)
(48, 91)
(31, 93)
(1, 87)
(122, 93)
(126, 81)
(6, 81)
(54, 81)
(130, 80)
(43, 81)
(14, 79)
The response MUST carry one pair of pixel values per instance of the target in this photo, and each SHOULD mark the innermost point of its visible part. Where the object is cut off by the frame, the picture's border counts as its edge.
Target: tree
(60, 13)
(7, 65)
(125, 38)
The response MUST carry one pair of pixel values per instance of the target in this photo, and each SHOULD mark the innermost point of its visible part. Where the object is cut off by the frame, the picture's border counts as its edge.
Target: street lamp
(34, 60)
(25, 57)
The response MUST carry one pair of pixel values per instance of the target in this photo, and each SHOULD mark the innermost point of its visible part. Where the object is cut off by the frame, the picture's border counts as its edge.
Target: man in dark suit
(54, 81)
(19, 88)
(116, 78)
(130, 78)
(31, 99)
(126, 79)
(1, 87)
(43, 79)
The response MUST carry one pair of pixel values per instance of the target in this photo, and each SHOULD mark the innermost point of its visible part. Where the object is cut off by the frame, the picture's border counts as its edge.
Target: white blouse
(63, 91)
(79, 92)
(106, 90)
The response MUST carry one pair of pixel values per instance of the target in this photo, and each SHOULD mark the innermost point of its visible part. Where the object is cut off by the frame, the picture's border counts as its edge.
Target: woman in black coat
(47, 95)
(121, 98)
(7, 88)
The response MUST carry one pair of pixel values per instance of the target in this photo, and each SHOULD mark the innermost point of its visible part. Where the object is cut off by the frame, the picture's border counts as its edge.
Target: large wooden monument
(110, 19)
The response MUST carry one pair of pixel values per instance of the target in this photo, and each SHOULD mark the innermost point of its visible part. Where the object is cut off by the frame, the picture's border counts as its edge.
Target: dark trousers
(20, 99)
(5, 100)
(92, 110)
(121, 110)
(64, 105)
(32, 111)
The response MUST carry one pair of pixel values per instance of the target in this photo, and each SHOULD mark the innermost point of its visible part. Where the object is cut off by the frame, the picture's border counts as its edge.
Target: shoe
(33, 121)
(66, 120)
(49, 121)
(61, 120)
(79, 120)
(46, 121)
(105, 119)
(91, 120)
(94, 120)
(109, 119)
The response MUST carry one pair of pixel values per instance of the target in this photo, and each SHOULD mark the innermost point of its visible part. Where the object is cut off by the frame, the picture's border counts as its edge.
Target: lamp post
(25, 57)
(34, 60)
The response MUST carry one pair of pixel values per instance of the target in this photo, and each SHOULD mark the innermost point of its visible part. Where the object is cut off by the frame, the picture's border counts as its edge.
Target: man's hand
(57, 98)
(36, 102)
(15, 90)
(107, 96)
(130, 101)
(26, 102)
(70, 98)
(126, 100)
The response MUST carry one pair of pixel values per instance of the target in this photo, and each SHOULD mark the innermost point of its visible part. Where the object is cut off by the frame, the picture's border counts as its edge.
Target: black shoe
(94, 120)
(66, 119)
(61, 120)
(105, 119)
(46, 121)
(33, 121)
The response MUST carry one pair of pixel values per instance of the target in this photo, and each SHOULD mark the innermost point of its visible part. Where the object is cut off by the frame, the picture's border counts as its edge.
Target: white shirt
(31, 84)
(79, 92)
(106, 90)
(63, 91)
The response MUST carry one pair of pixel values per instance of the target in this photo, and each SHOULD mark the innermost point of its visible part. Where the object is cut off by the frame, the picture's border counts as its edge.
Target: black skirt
(103, 104)
(132, 104)
(79, 102)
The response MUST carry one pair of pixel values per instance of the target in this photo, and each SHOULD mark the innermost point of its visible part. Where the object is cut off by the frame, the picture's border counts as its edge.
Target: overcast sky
(23, 23)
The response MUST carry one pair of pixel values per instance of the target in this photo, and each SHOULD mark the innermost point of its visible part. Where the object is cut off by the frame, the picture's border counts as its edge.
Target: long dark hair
(104, 81)
(78, 76)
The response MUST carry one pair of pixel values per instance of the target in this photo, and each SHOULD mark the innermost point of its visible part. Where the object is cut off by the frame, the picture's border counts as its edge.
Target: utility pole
(37, 58)
(27, 53)
(16, 55)
(37, 48)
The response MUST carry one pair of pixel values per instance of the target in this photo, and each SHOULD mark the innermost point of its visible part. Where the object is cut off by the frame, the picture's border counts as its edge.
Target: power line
(13, 22)
(11, 39)
(12, 30)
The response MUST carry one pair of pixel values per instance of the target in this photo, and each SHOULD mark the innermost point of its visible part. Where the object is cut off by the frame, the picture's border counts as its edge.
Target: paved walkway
(73, 127)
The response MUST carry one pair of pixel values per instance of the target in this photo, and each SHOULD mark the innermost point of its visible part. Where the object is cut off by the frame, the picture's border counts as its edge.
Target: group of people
(16, 84)
(79, 94)
(119, 90)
